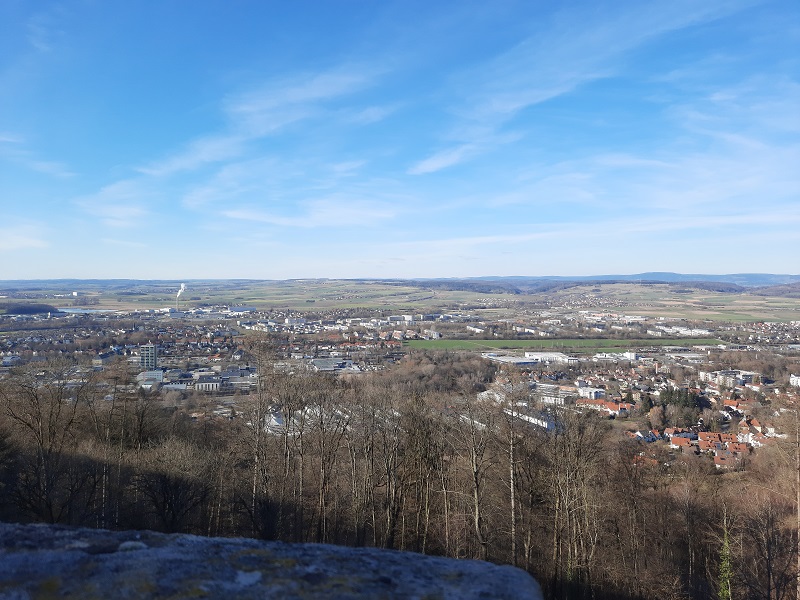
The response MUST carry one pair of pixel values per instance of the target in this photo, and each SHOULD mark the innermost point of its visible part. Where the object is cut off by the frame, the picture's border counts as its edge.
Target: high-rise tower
(148, 357)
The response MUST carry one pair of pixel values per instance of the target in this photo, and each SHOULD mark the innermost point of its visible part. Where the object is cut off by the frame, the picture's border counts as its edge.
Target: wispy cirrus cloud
(51, 167)
(123, 243)
(197, 153)
(118, 205)
(636, 229)
(671, 179)
(261, 176)
(266, 110)
(347, 168)
(370, 114)
(744, 146)
(268, 179)
(22, 236)
(324, 213)
(760, 107)
(42, 29)
(444, 158)
(567, 52)
(10, 138)
(575, 49)
(278, 103)
(13, 148)
(39, 36)
(722, 146)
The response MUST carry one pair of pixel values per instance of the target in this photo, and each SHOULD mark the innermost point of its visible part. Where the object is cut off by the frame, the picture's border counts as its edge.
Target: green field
(579, 345)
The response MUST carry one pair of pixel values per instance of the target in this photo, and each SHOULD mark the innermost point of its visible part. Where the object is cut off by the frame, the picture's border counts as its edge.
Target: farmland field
(405, 297)
(580, 345)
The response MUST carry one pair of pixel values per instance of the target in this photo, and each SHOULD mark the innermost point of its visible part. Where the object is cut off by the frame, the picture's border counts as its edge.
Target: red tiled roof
(681, 441)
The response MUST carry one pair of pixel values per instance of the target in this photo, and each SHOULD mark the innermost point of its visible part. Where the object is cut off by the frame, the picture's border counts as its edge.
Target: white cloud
(120, 204)
(347, 168)
(371, 114)
(21, 237)
(123, 243)
(263, 176)
(628, 231)
(567, 52)
(304, 90)
(273, 180)
(263, 112)
(330, 212)
(10, 138)
(50, 167)
(12, 148)
(198, 153)
(629, 161)
(39, 34)
(44, 28)
(442, 160)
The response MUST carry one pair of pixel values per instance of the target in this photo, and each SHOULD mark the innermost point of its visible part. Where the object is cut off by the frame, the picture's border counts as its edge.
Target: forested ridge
(409, 459)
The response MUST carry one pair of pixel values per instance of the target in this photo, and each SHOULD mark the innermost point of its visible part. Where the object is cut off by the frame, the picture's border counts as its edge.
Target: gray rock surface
(40, 561)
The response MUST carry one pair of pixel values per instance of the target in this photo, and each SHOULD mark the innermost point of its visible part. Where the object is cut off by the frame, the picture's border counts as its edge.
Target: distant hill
(763, 284)
(772, 284)
(481, 287)
(741, 279)
(790, 290)
(712, 286)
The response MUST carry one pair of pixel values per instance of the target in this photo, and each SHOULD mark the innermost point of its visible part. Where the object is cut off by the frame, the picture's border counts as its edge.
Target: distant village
(684, 397)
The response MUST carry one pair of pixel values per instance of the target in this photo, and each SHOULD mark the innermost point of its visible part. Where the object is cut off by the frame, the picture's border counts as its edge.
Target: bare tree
(424, 448)
(767, 566)
(575, 457)
(257, 411)
(329, 421)
(175, 483)
(473, 431)
(43, 405)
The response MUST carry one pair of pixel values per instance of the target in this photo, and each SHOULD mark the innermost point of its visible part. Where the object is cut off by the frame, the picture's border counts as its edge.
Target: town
(201, 353)
(552, 431)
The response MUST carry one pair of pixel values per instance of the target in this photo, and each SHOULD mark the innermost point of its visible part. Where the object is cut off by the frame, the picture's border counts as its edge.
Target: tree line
(385, 460)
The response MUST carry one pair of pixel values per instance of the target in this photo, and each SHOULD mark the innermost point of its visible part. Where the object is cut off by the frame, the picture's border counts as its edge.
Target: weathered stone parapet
(40, 561)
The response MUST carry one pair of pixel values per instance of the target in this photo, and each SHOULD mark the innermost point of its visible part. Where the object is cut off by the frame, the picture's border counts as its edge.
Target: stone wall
(41, 561)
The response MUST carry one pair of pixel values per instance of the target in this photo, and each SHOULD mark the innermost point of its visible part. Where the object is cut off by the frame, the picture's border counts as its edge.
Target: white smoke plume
(180, 291)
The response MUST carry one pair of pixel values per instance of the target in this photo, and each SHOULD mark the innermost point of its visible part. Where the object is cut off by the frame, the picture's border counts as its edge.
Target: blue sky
(254, 139)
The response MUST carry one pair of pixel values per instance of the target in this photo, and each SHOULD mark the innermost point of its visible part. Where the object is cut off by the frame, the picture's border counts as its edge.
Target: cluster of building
(730, 377)
(200, 350)
(730, 403)
(397, 327)
(785, 335)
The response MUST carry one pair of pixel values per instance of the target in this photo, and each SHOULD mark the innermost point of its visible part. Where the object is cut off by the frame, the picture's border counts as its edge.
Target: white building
(207, 384)
(552, 357)
(591, 393)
